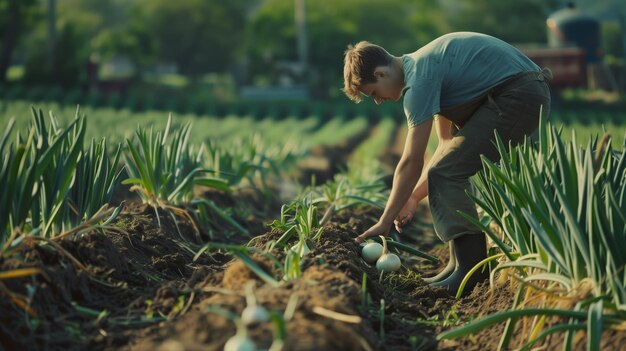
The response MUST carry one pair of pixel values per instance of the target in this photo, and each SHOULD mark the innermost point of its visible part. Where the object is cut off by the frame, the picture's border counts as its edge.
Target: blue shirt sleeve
(422, 101)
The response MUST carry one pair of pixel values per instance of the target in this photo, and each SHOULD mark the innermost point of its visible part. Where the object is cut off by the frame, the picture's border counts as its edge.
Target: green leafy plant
(205, 207)
(164, 171)
(97, 175)
(298, 218)
(18, 174)
(52, 183)
(560, 209)
(62, 149)
(339, 194)
(250, 161)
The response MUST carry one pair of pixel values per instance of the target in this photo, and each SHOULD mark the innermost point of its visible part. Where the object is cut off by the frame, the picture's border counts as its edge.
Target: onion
(388, 262)
(239, 342)
(371, 252)
(254, 314)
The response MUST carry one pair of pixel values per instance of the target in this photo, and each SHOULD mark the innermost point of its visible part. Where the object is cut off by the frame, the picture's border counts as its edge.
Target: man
(469, 85)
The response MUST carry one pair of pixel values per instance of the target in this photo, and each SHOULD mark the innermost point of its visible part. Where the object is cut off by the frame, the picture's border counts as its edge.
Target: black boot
(445, 273)
(469, 249)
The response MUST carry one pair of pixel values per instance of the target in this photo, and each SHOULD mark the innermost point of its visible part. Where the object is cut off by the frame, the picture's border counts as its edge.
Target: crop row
(162, 159)
(555, 213)
(118, 125)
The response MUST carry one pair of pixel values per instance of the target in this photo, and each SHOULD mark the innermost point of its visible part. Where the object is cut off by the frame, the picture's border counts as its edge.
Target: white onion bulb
(254, 314)
(371, 252)
(388, 262)
(239, 342)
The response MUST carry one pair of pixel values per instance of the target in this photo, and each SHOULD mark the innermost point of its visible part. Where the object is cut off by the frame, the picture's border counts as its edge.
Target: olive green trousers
(512, 109)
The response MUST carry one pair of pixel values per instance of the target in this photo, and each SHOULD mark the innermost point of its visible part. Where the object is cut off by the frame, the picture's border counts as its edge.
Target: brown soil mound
(127, 276)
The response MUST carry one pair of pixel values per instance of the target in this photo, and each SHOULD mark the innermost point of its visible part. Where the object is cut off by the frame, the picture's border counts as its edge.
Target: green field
(119, 124)
(145, 226)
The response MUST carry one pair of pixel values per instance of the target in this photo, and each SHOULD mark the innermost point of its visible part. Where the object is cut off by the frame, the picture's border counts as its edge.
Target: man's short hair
(360, 61)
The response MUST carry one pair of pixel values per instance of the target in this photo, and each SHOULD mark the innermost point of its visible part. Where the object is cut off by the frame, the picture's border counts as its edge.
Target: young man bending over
(469, 83)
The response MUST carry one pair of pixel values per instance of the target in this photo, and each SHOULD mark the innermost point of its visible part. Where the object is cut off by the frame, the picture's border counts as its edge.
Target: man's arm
(444, 134)
(405, 177)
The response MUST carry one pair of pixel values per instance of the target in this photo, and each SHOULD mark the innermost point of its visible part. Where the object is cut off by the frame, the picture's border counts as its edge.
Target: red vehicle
(568, 65)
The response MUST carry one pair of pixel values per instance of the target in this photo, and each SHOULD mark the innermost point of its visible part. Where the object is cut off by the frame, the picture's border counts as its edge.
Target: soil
(156, 295)
(140, 286)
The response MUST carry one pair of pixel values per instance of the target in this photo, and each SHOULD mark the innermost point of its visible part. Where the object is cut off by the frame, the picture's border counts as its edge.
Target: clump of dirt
(237, 274)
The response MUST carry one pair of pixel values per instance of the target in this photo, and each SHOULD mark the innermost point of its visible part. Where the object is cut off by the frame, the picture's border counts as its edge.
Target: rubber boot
(445, 273)
(469, 249)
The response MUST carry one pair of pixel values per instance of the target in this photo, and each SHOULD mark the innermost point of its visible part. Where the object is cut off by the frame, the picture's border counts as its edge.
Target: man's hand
(377, 229)
(406, 214)
(405, 178)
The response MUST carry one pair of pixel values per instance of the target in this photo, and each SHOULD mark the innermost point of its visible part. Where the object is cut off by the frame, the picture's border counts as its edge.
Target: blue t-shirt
(454, 69)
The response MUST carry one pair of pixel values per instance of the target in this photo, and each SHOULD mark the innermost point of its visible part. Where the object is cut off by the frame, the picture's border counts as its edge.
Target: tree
(331, 25)
(198, 36)
(514, 21)
(82, 27)
(66, 66)
(16, 16)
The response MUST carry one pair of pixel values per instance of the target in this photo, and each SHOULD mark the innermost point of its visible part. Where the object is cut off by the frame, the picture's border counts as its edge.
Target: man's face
(388, 86)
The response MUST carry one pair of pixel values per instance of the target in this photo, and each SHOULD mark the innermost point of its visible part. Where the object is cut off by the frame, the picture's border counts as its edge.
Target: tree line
(54, 39)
